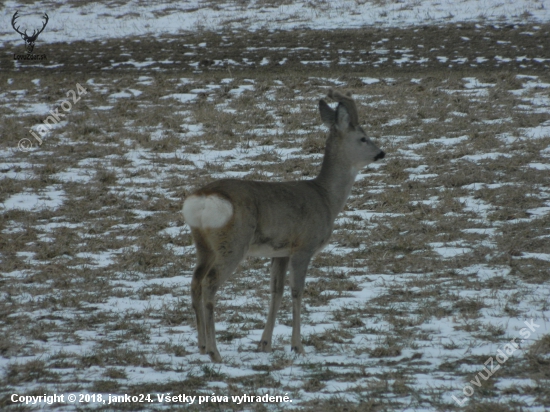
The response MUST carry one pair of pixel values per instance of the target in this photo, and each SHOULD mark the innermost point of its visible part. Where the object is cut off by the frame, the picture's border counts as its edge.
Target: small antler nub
(348, 103)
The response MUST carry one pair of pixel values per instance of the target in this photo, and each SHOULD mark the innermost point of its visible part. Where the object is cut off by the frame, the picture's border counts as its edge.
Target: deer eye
(364, 139)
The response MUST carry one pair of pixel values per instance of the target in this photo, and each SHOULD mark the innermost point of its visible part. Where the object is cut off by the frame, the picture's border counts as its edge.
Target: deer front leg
(298, 270)
(279, 267)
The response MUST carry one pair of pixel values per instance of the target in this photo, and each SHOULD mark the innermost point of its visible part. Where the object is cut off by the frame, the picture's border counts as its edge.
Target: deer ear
(342, 117)
(328, 115)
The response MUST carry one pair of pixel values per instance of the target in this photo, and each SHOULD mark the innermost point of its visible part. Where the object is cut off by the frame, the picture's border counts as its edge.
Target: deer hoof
(264, 346)
(215, 356)
(299, 349)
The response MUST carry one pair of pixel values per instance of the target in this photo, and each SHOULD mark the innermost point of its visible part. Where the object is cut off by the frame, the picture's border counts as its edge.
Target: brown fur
(287, 221)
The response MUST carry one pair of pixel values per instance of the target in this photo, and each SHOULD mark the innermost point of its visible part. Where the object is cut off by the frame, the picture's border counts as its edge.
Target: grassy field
(439, 257)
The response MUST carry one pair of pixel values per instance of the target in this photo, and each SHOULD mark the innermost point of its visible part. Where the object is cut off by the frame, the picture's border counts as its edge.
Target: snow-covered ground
(71, 21)
(438, 262)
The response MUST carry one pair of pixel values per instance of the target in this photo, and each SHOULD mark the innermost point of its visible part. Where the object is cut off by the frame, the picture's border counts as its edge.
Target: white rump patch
(209, 211)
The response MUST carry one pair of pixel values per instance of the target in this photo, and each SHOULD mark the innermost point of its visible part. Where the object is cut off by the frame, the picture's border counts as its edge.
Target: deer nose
(380, 155)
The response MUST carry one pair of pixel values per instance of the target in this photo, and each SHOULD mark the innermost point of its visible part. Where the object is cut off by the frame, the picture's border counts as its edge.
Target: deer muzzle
(381, 154)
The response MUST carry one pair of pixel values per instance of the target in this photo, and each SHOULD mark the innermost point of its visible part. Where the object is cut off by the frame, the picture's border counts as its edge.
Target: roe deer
(286, 221)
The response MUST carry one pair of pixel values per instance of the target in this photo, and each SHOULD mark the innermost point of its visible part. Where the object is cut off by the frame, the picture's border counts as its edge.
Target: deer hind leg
(211, 286)
(279, 267)
(205, 260)
(220, 272)
(298, 269)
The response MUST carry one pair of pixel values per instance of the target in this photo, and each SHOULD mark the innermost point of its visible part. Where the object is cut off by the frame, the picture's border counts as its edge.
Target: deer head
(29, 40)
(347, 142)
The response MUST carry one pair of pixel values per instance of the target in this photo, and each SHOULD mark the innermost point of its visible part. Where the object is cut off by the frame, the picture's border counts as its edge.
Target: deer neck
(336, 177)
